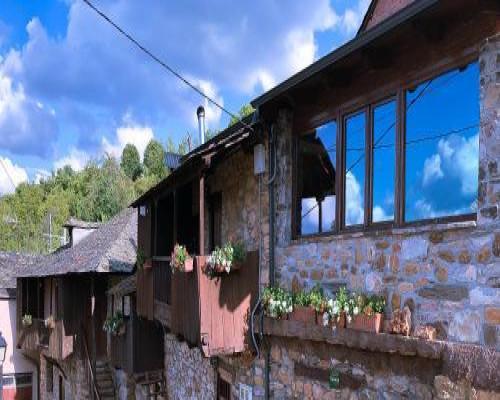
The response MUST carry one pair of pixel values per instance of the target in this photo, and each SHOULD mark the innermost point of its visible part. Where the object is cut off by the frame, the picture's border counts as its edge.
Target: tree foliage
(131, 162)
(245, 111)
(154, 159)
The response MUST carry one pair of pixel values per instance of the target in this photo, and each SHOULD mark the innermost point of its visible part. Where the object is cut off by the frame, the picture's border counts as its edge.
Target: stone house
(62, 306)
(19, 375)
(381, 176)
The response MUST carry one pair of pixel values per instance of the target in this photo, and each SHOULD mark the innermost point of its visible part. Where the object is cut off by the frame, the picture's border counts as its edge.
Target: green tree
(131, 162)
(154, 159)
(245, 111)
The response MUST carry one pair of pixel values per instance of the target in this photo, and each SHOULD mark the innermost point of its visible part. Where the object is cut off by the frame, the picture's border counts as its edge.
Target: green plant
(277, 302)
(374, 305)
(318, 300)
(114, 323)
(223, 258)
(301, 299)
(179, 257)
(140, 258)
(27, 320)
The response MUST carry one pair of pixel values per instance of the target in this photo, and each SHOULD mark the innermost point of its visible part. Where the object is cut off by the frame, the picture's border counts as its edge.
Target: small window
(384, 161)
(316, 176)
(442, 145)
(355, 162)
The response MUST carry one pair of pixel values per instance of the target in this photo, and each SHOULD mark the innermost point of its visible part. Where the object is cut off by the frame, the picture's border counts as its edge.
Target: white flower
(349, 318)
(356, 310)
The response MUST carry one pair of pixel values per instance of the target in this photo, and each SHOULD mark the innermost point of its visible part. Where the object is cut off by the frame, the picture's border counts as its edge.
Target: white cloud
(26, 125)
(41, 175)
(379, 214)
(352, 17)
(76, 159)
(16, 175)
(354, 213)
(212, 112)
(432, 169)
(130, 133)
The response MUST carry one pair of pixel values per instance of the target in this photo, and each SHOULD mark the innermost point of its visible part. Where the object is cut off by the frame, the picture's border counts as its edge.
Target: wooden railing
(34, 337)
(162, 278)
(90, 367)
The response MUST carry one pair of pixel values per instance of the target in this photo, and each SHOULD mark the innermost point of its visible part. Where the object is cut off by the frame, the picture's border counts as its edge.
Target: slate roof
(12, 265)
(78, 223)
(110, 248)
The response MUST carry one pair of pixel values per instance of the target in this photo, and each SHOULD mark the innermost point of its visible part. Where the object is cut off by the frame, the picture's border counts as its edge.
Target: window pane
(442, 145)
(316, 180)
(355, 127)
(384, 161)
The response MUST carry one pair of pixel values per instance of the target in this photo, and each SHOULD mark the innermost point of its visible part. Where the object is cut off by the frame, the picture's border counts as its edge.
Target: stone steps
(104, 381)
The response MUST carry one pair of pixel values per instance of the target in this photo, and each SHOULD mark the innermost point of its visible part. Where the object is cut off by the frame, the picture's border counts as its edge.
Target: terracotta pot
(188, 264)
(339, 323)
(303, 314)
(121, 330)
(148, 264)
(367, 323)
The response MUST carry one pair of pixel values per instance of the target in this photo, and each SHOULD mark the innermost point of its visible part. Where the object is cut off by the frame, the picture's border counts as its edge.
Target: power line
(165, 65)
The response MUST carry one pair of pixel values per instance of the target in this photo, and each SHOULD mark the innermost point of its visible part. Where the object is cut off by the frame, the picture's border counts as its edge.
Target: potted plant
(277, 302)
(27, 320)
(302, 310)
(319, 303)
(225, 259)
(181, 260)
(371, 315)
(50, 322)
(337, 310)
(115, 325)
(141, 260)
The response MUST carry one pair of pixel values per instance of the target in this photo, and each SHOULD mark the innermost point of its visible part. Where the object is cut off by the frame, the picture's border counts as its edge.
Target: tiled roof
(14, 264)
(110, 248)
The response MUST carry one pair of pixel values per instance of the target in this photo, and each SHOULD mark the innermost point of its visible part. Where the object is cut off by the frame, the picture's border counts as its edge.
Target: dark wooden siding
(145, 293)
(162, 276)
(144, 226)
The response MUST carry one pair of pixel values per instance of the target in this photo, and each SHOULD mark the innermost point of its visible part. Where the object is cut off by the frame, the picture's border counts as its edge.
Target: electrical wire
(165, 65)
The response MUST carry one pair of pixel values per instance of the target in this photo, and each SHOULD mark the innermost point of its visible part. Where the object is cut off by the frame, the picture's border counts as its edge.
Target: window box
(367, 323)
(304, 314)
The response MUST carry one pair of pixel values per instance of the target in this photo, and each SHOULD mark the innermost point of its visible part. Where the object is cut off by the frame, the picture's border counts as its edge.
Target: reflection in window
(442, 144)
(316, 180)
(384, 161)
(355, 138)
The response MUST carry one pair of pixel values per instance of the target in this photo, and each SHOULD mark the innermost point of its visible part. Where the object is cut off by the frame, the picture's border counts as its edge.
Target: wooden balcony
(34, 338)
(210, 313)
(146, 355)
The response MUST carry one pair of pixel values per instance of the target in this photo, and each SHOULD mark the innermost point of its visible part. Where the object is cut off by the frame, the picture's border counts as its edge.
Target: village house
(62, 306)
(374, 169)
(18, 374)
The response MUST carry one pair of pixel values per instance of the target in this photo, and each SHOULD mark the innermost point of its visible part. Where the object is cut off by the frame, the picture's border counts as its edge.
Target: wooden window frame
(366, 104)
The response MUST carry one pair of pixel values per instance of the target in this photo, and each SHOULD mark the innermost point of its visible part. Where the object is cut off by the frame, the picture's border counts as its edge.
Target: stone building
(381, 176)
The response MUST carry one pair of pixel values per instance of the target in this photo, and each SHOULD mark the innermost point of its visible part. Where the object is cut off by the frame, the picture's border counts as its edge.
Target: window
(425, 137)
(384, 161)
(354, 177)
(33, 297)
(442, 145)
(316, 173)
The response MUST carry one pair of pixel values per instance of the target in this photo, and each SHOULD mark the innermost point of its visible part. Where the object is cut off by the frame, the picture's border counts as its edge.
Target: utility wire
(165, 65)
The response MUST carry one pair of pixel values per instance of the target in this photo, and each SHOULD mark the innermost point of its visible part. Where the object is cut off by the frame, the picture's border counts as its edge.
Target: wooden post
(155, 222)
(202, 214)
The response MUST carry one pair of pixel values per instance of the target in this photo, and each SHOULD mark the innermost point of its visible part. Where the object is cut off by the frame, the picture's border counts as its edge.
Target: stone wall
(189, 375)
(448, 274)
(244, 217)
(75, 384)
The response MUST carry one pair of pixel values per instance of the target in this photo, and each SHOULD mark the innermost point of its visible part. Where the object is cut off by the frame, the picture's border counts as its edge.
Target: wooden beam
(202, 215)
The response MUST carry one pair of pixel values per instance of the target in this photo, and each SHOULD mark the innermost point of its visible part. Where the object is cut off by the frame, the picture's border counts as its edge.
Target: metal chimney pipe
(201, 123)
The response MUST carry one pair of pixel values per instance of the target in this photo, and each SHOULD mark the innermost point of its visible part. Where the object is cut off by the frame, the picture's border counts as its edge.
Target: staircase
(105, 381)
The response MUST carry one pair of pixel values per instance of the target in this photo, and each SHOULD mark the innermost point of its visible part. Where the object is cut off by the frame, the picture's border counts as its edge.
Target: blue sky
(72, 89)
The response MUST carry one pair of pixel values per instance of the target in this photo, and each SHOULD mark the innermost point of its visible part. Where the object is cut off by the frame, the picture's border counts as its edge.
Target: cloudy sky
(72, 89)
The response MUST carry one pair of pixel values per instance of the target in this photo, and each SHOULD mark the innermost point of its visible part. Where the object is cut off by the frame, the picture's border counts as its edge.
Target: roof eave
(363, 39)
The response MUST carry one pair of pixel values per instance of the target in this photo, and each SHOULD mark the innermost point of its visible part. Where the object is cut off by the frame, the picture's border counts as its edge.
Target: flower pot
(303, 314)
(188, 264)
(148, 264)
(339, 323)
(367, 323)
(121, 330)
